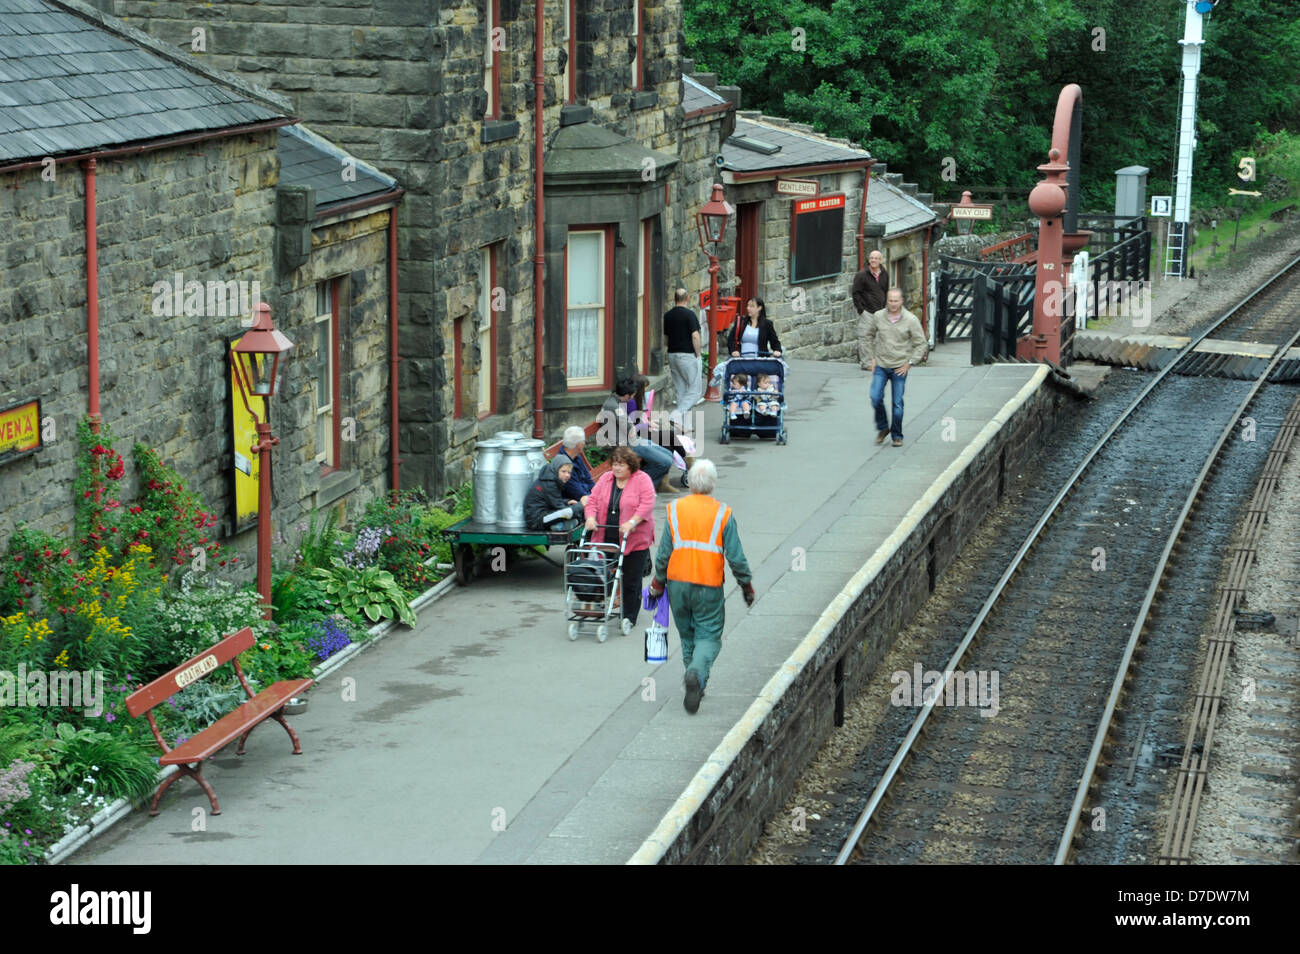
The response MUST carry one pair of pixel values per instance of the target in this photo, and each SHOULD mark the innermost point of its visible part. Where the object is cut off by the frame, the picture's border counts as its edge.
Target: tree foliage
(919, 81)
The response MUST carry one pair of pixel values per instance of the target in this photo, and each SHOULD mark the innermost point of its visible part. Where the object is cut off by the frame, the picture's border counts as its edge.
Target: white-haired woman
(580, 480)
(702, 536)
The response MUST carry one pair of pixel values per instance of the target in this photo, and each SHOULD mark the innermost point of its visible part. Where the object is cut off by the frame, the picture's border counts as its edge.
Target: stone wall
(816, 319)
(205, 211)
(399, 83)
(355, 250)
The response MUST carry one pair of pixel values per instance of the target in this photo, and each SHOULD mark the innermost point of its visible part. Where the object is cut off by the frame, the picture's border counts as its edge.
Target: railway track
(1010, 782)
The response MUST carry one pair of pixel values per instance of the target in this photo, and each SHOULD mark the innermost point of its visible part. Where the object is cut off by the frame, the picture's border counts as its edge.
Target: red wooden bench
(267, 704)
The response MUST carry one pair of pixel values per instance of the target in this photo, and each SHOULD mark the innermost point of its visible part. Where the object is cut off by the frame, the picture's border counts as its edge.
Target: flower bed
(139, 589)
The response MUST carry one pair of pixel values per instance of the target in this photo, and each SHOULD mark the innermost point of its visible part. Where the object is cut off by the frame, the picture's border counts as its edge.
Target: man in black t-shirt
(682, 333)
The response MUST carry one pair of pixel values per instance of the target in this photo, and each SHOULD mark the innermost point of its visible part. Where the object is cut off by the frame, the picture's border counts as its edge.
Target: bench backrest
(192, 670)
(589, 430)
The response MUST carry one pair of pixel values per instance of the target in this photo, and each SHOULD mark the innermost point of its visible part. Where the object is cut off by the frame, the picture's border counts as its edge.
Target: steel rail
(1075, 818)
(891, 773)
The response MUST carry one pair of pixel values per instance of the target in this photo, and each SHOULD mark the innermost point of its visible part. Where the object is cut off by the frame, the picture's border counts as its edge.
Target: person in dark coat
(550, 494)
(753, 332)
(871, 285)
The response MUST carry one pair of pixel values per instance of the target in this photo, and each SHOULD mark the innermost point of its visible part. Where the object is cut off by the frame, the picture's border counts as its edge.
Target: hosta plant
(368, 593)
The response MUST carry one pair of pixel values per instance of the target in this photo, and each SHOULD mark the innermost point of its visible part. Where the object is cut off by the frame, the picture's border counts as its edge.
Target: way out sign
(975, 213)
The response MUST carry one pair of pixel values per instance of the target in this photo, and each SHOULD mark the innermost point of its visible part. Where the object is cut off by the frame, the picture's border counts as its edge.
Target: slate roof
(796, 148)
(588, 153)
(306, 159)
(696, 95)
(898, 211)
(69, 85)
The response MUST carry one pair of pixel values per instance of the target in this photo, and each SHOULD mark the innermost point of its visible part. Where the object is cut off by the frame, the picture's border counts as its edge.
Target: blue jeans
(656, 460)
(878, 400)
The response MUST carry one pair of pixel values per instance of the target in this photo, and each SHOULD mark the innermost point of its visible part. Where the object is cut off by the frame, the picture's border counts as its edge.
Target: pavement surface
(484, 735)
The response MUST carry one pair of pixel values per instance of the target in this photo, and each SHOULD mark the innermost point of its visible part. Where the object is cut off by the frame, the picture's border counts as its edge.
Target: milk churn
(487, 463)
(514, 480)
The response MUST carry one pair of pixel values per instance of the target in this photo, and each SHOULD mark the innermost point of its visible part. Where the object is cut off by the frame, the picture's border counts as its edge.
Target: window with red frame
(491, 303)
(328, 403)
(588, 324)
(494, 46)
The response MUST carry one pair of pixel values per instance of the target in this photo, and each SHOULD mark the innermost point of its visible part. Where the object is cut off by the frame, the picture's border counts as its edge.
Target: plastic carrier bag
(656, 643)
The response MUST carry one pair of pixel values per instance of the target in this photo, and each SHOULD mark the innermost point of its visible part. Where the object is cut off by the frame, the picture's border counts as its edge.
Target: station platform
(484, 735)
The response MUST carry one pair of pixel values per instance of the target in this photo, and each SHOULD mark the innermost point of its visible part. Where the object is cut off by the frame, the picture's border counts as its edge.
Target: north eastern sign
(979, 213)
(20, 430)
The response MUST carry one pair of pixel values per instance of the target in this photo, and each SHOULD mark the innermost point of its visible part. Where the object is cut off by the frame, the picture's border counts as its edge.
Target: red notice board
(816, 237)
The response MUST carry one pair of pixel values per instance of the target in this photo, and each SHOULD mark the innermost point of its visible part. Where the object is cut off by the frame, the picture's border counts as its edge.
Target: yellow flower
(62, 659)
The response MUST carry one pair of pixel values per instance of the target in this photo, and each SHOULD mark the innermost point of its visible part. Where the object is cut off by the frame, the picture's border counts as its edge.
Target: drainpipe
(539, 239)
(92, 296)
(925, 283)
(862, 217)
(394, 480)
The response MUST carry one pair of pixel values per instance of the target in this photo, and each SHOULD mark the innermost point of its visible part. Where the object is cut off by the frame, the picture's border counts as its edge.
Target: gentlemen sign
(797, 187)
(20, 430)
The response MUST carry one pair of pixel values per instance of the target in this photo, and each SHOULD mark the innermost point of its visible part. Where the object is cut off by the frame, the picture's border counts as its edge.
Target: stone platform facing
(485, 736)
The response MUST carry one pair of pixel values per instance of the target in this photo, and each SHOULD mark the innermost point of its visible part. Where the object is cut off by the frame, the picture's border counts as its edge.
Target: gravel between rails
(872, 728)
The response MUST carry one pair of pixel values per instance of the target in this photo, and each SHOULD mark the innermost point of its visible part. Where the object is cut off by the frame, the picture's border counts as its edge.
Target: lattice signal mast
(1180, 229)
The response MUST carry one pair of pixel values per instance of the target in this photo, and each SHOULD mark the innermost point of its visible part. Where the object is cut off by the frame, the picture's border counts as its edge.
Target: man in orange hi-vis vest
(701, 537)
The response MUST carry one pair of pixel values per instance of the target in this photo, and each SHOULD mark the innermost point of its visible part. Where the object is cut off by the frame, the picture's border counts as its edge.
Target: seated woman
(548, 498)
(616, 430)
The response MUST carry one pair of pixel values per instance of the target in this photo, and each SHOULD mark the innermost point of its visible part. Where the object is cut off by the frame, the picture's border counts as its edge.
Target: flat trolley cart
(467, 535)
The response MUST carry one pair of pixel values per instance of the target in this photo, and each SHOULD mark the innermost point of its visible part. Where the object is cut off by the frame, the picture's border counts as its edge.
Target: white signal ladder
(1176, 250)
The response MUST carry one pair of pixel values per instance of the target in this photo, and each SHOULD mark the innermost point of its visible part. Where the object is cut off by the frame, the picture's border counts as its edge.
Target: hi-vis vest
(696, 523)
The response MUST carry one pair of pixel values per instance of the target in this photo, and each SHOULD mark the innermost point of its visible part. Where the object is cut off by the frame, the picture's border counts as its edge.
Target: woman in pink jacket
(625, 496)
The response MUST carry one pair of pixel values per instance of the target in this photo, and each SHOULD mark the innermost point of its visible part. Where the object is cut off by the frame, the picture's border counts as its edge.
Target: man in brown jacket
(889, 343)
(871, 284)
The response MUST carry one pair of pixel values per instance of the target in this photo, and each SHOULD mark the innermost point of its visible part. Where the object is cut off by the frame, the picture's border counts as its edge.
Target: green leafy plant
(321, 541)
(205, 611)
(114, 766)
(369, 593)
(298, 598)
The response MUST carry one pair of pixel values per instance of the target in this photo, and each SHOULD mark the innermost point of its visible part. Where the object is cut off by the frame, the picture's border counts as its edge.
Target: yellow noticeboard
(245, 468)
(20, 430)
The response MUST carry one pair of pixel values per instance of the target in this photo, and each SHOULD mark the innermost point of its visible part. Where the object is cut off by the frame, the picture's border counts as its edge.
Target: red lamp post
(257, 364)
(712, 223)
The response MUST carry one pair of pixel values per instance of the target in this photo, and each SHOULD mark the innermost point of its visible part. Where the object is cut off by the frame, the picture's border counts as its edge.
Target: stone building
(781, 176)
(194, 180)
(440, 96)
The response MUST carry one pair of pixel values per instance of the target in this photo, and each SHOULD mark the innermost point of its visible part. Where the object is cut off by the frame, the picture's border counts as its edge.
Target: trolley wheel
(780, 438)
(463, 559)
(573, 631)
(602, 632)
(724, 438)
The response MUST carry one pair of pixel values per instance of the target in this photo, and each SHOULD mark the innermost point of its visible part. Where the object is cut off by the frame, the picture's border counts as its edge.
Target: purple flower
(330, 638)
(109, 717)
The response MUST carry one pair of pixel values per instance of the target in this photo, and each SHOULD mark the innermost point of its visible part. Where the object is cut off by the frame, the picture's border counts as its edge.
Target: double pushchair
(753, 397)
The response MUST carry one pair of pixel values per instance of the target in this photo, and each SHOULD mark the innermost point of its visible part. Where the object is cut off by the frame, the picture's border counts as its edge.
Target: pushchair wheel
(780, 438)
(602, 632)
(573, 631)
(723, 438)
